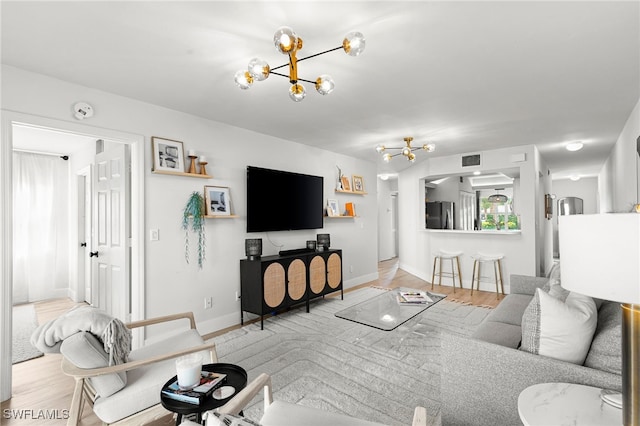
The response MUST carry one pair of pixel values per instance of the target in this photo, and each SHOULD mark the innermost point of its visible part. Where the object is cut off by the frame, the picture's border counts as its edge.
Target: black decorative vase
(253, 248)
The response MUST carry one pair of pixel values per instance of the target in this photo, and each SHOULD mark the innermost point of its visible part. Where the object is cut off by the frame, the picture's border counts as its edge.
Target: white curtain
(40, 227)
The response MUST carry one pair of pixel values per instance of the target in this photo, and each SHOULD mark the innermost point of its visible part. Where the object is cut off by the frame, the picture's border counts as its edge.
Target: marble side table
(565, 404)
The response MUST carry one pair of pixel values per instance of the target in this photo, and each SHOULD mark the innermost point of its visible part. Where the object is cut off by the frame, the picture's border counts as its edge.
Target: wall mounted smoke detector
(82, 110)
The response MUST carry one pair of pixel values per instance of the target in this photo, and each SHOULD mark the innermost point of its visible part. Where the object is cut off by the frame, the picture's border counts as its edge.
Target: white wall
(418, 244)
(619, 179)
(172, 285)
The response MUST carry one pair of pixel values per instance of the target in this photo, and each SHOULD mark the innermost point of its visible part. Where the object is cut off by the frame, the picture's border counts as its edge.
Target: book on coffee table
(413, 298)
(208, 383)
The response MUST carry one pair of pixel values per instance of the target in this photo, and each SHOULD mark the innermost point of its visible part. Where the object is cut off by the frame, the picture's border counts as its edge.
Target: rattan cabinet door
(274, 285)
(317, 274)
(297, 273)
(334, 270)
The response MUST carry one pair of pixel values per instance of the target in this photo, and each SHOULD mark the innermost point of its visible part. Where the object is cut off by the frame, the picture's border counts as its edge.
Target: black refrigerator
(439, 215)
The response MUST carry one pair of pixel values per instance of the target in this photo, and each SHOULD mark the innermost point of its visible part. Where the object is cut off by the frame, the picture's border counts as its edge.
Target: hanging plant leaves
(193, 221)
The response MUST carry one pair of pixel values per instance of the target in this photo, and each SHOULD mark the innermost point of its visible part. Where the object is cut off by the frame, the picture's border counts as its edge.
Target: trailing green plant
(193, 220)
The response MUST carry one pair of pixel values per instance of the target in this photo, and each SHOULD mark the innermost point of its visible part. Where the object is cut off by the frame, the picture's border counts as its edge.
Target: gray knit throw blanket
(112, 332)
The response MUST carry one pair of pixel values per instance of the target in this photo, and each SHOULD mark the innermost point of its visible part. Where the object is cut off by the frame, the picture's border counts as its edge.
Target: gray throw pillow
(85, 350)
(606, 353)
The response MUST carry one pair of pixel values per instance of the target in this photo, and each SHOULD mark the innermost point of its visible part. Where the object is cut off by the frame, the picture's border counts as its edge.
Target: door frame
(136, 142)
(84, 176)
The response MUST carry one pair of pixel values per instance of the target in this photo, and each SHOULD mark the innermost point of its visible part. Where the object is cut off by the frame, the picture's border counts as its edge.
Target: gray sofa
(482, 376)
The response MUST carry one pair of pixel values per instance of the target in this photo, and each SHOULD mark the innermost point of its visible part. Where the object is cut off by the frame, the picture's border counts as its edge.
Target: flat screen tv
(283, 201)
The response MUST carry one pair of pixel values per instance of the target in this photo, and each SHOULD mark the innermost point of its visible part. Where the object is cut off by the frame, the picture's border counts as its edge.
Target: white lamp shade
(600, 255)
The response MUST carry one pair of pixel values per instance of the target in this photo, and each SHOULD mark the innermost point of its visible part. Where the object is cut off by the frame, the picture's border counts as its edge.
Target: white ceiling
(467, 76)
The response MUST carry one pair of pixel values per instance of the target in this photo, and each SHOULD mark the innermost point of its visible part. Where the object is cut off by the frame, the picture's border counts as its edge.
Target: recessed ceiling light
(574, 177)
(477, 173)
(574, 146)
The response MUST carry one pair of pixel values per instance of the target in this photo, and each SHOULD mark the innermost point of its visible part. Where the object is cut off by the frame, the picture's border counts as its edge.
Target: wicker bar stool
(476, 276)
(437, 261)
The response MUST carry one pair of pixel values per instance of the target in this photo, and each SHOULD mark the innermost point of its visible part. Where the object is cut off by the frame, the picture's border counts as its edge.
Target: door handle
(93, 253)
(83, 244)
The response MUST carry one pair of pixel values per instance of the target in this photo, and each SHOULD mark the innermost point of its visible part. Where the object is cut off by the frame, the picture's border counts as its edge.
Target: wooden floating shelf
(351, 192)
(193, 175)
(233, 216)
(341, 217)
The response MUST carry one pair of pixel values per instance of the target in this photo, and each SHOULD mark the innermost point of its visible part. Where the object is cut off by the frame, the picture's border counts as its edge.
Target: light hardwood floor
(39, 384)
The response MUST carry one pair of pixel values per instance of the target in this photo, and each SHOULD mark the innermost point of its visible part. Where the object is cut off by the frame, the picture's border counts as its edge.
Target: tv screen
(283, 201)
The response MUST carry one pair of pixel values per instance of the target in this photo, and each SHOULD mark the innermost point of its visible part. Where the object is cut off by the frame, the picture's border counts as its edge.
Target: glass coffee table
(384, 312)
(235, 381)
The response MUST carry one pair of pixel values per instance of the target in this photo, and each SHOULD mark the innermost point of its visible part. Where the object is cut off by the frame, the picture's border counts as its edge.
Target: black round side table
(236, 378)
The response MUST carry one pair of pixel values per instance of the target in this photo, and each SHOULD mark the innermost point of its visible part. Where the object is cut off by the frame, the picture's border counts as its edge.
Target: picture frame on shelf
(358, 183)
(332, 208)
(346, 185)
(168, 155)
(217, 200)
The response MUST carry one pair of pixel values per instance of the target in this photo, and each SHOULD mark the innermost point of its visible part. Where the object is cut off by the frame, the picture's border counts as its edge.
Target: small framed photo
(332, 208)
(346, 185)
(168, 155)
(217, 201)
(358, 183)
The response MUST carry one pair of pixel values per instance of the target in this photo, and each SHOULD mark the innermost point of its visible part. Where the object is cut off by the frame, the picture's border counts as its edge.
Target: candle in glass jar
(192, 153)
(203, 159)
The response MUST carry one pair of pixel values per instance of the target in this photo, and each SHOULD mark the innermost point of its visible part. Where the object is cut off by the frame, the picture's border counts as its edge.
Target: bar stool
(445, 255)
(478, 260)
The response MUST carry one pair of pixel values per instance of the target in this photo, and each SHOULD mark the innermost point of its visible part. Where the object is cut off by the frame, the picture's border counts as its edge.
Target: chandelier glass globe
(297, 92)
(325, 84)
(259, 69)
(353, 43)
(285, 40)
(243, 79)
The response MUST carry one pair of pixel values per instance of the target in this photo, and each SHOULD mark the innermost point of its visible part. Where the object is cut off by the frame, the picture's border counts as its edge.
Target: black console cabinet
(277, 282)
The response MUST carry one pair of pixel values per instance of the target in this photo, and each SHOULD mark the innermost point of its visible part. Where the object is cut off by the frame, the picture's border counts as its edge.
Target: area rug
(24, 324)
(384, 312)
(321, 361)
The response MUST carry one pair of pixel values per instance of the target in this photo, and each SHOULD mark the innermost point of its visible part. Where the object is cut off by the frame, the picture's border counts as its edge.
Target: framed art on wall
(358, 183)
(346, 186)
(168, 155)
(217, 201)
(332, 208)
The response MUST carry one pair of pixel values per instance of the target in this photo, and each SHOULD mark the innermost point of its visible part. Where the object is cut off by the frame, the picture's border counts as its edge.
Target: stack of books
(413, 298)
(208, 383)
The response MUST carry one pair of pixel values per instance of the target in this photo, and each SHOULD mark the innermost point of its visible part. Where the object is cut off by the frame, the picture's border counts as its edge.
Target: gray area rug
(319, 360)
(25, 322)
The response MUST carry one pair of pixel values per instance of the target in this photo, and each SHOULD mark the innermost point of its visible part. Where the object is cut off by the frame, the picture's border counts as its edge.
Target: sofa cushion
(510, 310)
(560, 330)
(606, 352)
(499, 333)
(144, 383)
(84, 350)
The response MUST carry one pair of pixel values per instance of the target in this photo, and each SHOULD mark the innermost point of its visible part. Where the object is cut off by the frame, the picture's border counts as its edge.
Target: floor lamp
(600, 257)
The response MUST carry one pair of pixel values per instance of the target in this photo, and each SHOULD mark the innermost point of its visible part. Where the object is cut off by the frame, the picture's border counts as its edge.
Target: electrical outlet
(154, 234)
(208, 302)
(351, 268)
(237, 296)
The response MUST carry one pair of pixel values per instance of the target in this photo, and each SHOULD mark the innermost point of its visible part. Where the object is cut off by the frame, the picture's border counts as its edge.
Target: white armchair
(280, 413)
(127, 393)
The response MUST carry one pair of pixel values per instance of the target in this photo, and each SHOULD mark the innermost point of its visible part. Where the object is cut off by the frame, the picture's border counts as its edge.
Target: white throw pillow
(557, 329)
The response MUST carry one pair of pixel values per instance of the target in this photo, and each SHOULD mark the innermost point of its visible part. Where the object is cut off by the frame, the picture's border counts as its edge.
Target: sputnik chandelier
(406, 150)
(288, 43)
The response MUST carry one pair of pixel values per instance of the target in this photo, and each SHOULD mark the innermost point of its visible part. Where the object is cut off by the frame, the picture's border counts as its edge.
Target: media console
(272, 283)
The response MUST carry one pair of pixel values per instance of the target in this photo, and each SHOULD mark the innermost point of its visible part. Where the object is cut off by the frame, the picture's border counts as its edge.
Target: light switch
(154, 234)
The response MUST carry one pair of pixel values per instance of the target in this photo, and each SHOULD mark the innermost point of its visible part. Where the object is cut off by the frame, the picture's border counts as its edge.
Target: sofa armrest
(481, 381)
(524, 284)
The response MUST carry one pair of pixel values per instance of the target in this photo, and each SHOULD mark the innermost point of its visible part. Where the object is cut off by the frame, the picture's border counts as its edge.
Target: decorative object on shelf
(203, 165)
(332, 208)
(599, 255)
(217, 201)
(406, 150)
(288, 43)
(192, 156)
(168, 155)
(311, 244)
(253, 248)
(324, 241)
(346, 186)
(193, 214)
(339, 180)
(349, 209)
(358, 183)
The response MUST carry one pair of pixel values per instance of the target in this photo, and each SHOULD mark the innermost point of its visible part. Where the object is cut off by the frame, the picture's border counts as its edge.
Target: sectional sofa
(482, 376)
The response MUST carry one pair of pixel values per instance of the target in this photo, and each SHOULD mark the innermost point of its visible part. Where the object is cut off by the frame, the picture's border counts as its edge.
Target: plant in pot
(193, 220)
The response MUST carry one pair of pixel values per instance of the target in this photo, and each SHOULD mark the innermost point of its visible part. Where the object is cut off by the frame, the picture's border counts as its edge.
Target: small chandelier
(288, 43)
(406, 150)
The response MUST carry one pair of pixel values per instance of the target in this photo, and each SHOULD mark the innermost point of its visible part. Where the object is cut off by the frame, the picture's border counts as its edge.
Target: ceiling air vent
(470, 160)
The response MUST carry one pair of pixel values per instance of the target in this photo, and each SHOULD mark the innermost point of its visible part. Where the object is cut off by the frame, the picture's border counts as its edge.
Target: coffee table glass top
(384, 311)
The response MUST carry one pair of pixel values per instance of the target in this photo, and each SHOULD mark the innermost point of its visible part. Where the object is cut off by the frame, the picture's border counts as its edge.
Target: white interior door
(111, 230)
